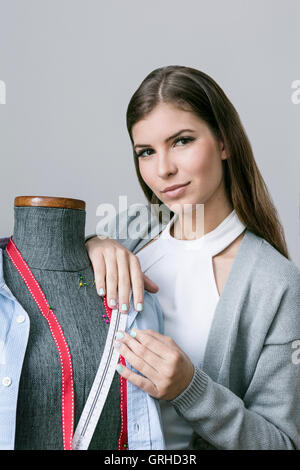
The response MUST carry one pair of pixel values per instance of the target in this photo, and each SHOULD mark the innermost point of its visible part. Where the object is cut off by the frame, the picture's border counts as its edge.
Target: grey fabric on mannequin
(51, 240)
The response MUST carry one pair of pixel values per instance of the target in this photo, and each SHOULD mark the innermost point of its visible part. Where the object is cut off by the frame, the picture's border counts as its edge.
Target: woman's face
(193, 157)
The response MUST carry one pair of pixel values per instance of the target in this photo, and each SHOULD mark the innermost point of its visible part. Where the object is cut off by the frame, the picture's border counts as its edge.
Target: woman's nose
(165, 165)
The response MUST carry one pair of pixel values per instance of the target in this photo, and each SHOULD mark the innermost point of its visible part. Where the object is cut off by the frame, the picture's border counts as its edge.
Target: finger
(138, 363)
(111, 277)
(123, 280)
(137, 282)
(98, 265)
(161, 345)
(141, 382)
(141, 352)
(99, 274)
(167, 340)
(149, 285)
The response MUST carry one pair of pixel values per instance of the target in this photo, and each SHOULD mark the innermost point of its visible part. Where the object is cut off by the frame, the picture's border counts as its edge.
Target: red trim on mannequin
(67, 385)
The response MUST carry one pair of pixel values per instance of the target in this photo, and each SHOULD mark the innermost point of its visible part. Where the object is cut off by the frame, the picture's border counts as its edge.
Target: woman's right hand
(117, 270)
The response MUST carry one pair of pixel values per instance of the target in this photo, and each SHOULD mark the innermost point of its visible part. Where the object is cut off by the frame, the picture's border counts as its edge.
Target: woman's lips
(176, 192)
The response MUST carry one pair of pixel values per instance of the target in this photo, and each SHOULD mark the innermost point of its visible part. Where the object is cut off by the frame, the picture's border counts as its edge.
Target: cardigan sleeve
(267, 417)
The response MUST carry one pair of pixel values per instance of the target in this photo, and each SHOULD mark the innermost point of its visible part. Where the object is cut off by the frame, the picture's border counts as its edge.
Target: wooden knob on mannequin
(46, 201)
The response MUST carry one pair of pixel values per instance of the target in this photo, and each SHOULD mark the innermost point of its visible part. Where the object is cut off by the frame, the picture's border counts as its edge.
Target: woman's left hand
(166, 368)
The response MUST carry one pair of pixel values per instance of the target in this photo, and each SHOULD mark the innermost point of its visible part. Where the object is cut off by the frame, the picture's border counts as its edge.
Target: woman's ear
(224, 155)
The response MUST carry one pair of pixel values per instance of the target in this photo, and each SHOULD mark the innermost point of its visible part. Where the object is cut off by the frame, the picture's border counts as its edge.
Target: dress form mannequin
(50, 234)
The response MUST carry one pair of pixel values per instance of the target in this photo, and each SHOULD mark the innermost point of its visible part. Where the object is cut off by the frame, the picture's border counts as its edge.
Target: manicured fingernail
(119, 335)
(112, 302)
(132, 334)
(124, 307)
(101, 291)
(117, 344)
(139, 307)
(119, 368)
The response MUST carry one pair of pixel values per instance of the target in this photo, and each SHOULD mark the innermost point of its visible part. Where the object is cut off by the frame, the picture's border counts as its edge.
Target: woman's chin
(180, 207)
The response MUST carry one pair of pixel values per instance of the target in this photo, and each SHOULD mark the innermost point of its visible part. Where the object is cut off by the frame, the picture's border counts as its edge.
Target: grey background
(71, 66)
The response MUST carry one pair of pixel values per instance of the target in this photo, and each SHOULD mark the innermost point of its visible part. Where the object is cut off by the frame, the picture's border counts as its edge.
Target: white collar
(212, 242)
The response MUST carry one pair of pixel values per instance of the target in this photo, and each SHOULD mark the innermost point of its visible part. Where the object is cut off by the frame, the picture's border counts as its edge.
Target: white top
(188, 296)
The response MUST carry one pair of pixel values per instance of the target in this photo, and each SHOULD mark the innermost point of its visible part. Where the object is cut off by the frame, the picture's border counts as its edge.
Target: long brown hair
(194, 91)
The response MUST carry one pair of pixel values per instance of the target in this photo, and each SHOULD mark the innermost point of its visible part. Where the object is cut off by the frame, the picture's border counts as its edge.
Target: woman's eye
(142, 152)
(184, 139)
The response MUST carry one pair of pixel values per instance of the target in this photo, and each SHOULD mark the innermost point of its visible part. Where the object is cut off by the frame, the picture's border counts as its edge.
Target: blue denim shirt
(143, 411)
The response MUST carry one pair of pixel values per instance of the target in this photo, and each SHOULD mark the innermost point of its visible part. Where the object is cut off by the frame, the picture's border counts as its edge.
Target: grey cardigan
(247, 393)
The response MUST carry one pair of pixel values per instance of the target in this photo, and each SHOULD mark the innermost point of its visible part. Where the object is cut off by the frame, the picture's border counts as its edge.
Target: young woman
(226, 369)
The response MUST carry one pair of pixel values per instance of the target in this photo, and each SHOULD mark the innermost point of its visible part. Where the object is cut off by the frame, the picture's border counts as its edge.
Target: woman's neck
(191, 225)
(51, 238)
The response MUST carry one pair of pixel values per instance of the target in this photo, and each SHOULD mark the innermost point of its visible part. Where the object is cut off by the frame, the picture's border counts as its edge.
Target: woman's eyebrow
(167, 140)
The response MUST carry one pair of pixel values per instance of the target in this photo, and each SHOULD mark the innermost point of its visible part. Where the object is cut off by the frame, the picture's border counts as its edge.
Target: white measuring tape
(101, 385)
